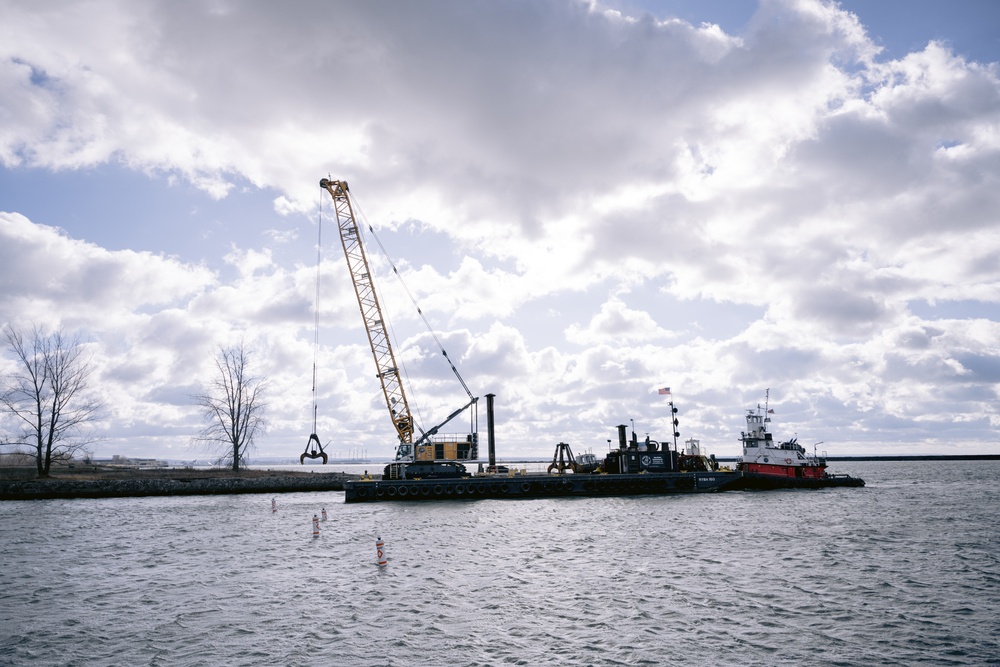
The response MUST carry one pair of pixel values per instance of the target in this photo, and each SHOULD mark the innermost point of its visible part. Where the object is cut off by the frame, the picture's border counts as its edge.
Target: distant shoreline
(920, 457)
(913, 457)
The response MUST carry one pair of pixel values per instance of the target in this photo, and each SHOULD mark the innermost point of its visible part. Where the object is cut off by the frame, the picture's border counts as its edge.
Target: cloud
(616, 323)
(47, 273)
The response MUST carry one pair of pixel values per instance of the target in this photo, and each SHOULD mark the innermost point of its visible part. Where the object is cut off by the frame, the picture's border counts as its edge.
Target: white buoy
(324, 514)
(315, 526)
(380, 551)
(274, 505)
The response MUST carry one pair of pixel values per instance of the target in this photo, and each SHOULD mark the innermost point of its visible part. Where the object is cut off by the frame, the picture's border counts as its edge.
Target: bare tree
(48, 394)
(234, 406)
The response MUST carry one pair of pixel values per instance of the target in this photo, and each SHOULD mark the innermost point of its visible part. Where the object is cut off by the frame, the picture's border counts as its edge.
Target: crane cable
(319, 257)
(311, 451)
(412, 300)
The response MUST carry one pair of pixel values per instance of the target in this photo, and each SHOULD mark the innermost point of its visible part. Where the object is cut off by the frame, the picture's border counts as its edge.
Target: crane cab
(442, 448)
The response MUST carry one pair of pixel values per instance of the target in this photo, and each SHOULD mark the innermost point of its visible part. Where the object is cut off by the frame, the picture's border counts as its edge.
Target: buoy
(274, 505)
(315, 526)
(380, 551)
(324, 514)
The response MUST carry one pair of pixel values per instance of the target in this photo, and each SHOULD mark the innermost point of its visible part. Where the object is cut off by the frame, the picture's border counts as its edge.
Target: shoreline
(104, 483)
(20, 483)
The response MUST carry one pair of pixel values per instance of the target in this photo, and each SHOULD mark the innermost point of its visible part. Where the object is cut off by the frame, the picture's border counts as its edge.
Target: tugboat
(767, 465)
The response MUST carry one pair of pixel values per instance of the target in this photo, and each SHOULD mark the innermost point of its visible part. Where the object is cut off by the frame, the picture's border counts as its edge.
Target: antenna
(674, 423)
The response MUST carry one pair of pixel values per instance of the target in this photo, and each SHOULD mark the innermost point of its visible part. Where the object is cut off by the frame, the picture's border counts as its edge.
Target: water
(905, 571)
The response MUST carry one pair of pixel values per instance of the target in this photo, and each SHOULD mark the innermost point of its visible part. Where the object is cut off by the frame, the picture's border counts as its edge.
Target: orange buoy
(315, 526)
(380, 551)
(274, 505)
(324, 514)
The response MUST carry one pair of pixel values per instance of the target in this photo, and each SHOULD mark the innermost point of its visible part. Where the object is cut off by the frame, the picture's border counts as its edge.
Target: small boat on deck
(767, 464)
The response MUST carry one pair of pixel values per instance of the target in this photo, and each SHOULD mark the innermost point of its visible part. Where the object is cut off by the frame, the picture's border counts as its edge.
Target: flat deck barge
(540, 486)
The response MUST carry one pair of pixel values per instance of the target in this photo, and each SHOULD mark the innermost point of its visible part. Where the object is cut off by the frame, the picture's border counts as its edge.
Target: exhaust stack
(490, 439)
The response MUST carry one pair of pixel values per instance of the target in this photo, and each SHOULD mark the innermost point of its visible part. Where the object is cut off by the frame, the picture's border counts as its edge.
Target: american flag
(665, 390)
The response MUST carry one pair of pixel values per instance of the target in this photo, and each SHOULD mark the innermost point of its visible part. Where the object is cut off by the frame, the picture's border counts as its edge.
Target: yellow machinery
(429, 446)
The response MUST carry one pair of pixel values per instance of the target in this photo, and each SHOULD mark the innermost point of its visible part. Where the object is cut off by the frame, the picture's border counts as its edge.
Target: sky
(791, 200)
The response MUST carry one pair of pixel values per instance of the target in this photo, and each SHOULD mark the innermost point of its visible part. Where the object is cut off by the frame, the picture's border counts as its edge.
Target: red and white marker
(380, 551)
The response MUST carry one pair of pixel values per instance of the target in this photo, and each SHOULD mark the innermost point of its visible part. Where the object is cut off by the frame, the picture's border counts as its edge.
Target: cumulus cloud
(616, 323)
(47, 273)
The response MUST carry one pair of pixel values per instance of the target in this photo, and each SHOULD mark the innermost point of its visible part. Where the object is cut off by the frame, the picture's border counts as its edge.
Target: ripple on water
(904, 571)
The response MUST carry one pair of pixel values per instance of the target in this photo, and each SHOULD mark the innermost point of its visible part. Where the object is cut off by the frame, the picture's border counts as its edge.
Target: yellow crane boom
(371, 312)
(431, 445)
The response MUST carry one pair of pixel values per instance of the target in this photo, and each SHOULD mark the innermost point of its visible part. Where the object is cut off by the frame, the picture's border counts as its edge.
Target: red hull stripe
(784, 471)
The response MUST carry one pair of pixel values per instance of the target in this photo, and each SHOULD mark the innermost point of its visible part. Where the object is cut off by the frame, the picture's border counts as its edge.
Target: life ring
(414, 490)
(525, 487)
(426, 491)
(380, 492)
(788, 460)
(402, 491)
(391, 491)
(438, 490)
(504, 488)
(362, 493)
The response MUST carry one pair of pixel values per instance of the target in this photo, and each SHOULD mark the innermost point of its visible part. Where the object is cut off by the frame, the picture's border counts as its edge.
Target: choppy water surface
(905, 571)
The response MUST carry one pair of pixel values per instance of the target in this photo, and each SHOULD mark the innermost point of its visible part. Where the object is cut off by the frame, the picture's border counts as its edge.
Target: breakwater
(38, 489)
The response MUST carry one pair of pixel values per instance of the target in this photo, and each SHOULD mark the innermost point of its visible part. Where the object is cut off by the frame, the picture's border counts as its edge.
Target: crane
(427, 447)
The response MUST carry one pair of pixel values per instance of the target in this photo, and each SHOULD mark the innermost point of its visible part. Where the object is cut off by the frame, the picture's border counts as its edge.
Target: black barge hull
(527, 487)
(759, 482)
(540, 486)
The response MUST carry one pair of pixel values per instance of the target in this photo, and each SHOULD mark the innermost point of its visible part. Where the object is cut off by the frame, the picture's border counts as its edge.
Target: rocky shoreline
(129, 484)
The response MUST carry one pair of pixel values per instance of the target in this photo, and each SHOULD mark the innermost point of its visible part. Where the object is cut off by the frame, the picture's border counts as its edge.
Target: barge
(634, 468)
(540, 486)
